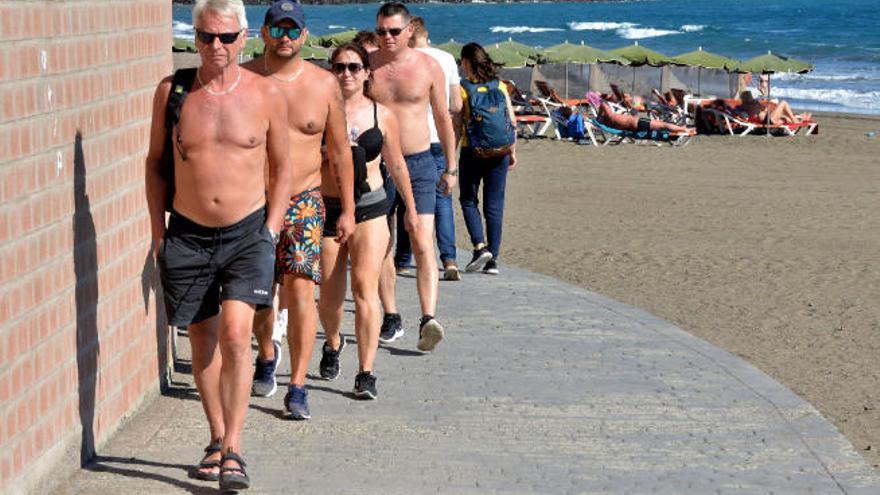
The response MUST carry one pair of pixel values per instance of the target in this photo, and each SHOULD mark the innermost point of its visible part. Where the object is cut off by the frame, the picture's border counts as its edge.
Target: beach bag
(490, 130)
(575, 129)
(180, 85)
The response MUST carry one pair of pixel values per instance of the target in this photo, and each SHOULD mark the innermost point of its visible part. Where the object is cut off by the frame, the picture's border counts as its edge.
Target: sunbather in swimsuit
(630, 122)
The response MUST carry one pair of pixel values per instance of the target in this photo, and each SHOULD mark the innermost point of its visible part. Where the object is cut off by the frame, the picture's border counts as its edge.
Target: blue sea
(840, 38)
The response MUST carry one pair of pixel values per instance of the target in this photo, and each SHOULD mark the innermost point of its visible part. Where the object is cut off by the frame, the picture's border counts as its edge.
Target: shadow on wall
(85, 268)
(150, 283)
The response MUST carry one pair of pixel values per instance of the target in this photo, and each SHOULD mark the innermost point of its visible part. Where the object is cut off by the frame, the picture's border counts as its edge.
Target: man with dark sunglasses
(315, 111)
(407, 81)
(218, 249)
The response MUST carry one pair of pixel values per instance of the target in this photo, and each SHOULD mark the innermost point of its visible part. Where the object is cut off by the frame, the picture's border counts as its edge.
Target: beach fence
(573, 80)
(82, 343)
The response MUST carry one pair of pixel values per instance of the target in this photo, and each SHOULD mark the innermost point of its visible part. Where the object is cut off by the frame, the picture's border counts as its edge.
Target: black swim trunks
(202, 266)
(644, 126)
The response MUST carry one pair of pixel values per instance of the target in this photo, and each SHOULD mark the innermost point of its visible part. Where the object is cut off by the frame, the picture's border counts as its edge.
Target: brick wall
(80, 343)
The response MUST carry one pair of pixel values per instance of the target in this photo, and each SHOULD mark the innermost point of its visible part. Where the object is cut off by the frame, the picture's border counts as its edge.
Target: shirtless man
(407, 80)
(218, 249)
(314, 110)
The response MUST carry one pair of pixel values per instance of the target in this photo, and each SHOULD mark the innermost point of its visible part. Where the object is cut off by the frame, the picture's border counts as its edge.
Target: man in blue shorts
(407, 81)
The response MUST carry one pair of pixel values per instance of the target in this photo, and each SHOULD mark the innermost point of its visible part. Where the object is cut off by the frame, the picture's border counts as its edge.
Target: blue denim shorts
(423, 177)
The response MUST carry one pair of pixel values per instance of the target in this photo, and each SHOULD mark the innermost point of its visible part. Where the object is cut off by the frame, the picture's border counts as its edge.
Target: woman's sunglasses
(395, 32)
(339, 67)
(278, 32)
(225, 38)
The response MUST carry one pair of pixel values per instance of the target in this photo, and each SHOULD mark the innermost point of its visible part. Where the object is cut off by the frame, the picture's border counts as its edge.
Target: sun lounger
(532, 118)
(633, 107)
(738, 125)
(531, 126)
(550, 94)
(611, 135)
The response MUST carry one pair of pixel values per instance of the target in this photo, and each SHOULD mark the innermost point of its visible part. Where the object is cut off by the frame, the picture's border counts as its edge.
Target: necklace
(282, 79)
(218, 93)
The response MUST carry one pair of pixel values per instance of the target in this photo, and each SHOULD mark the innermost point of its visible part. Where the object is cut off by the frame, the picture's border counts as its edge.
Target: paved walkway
(540, 387)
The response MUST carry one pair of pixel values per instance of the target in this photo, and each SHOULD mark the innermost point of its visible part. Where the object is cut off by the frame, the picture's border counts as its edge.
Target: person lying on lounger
(629, 122)
(780, 113)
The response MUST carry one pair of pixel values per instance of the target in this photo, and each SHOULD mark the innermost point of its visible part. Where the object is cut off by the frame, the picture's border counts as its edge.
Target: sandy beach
(768, 248)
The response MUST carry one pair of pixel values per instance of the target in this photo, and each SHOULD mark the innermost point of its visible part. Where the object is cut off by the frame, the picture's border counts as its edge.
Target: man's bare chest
(207, 121)
(306, 114)
(400, 88)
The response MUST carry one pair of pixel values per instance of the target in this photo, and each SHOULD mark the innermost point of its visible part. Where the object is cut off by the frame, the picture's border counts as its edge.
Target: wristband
(274, 236)
(453, 173)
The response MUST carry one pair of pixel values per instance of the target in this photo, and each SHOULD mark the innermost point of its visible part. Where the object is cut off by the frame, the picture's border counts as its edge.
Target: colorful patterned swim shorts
(299, 250)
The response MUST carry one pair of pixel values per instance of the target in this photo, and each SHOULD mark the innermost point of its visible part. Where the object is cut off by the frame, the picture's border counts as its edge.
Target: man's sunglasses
(225, 38)
(278, 32)
(353, 67)
(395, 32)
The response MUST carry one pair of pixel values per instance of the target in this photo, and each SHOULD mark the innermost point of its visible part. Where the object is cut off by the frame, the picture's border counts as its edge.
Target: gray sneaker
(491, 268)
(430, 334)
(365, 386)
(329, 367)
(392, 328)
(265, 384)
(481, 257)
(297, 403)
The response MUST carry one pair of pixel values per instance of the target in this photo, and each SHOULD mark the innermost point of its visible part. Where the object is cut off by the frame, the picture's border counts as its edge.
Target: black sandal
(233, 478)
(199, 472)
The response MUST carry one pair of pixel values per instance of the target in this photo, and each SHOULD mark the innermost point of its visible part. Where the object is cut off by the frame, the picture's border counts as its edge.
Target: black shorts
(372, 205)
(202, 266)
(644, 126)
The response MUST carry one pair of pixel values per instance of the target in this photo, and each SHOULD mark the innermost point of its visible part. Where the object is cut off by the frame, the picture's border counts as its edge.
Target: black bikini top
(367, 149)
(371, 140)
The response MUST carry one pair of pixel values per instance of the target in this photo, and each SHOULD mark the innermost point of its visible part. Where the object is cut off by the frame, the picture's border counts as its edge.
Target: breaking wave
(599, 26)
(862, 100)
(522, 29)
(634, 33)
(180, 29)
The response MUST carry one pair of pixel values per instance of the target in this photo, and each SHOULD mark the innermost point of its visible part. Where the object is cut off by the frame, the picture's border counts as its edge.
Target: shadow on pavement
(103, 464)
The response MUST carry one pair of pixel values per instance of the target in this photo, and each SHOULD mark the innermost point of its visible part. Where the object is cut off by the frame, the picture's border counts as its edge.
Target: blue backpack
(490, 130)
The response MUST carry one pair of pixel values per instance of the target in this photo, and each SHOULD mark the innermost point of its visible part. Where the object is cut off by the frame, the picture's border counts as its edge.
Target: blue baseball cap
(285, 9)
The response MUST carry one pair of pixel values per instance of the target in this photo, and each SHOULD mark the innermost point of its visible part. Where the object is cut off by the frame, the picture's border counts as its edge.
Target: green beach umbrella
(452, 47)
(772, 64)
(521, 48)
(507, 57)
(336, 39)
(566, 53)
(639, 55)
(580, 54)
(702, 59)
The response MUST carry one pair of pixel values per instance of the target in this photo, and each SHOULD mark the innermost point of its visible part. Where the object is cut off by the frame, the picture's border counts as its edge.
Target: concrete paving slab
(539, 387)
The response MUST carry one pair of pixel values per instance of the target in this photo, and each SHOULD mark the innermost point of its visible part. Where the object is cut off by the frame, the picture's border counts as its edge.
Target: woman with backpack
(488, 151)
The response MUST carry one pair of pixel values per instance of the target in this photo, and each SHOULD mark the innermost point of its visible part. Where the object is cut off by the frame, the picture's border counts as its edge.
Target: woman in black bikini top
(367, 245)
